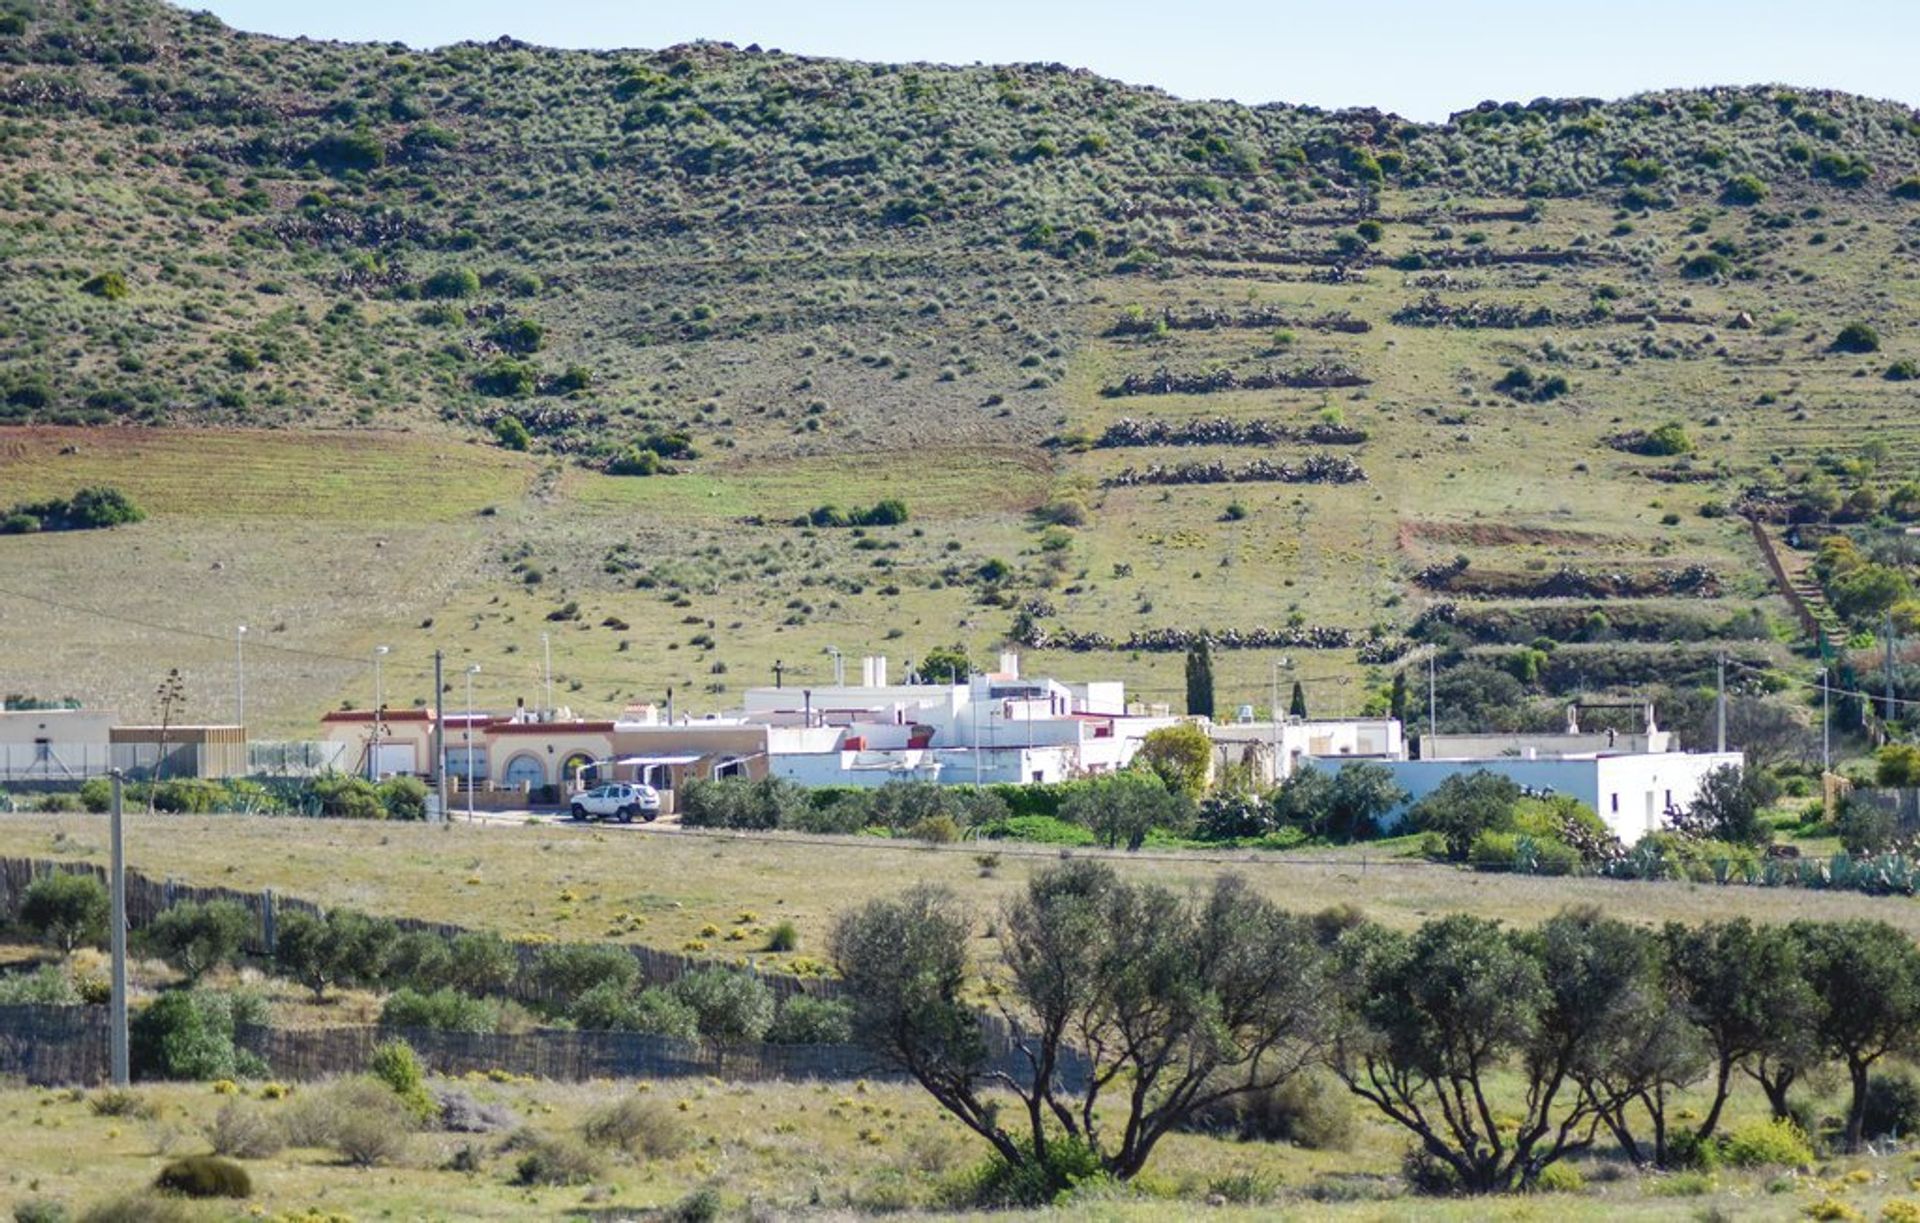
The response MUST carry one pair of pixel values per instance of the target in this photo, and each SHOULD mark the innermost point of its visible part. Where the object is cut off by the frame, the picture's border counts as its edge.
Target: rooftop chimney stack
(1010, 664)
(880, 671)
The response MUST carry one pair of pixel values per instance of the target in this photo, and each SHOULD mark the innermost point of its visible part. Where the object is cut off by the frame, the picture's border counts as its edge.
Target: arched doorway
(525, 770)
(571, 770)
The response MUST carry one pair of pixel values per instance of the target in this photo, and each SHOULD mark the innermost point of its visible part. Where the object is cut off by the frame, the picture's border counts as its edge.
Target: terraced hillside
(392, 336)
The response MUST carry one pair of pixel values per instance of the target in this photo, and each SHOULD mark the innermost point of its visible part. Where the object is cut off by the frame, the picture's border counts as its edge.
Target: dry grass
(582, 883)
(846, 1148)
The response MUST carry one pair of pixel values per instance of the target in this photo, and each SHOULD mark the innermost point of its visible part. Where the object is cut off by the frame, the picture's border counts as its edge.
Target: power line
(1818, 685)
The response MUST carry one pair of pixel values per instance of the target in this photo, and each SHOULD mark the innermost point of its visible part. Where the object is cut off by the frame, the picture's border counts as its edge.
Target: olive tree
(1432, 1019)
(1132, 1008)
(1743, 986)
(1867, 977)
(196, 937)
(1122, 808)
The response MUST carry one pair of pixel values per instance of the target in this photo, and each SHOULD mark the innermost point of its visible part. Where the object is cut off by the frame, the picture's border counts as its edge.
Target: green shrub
(142, 1208)
(110, 286)
(637, 1125)
(1893, 1106)
(444, 1010)
(506, 378)
(553, 1159)
(205, 1176)
(784, 938)
(451, 283)
(481, 962)
(1744, 190)
(1041, 829)
(67, 910)
(41, 1210)
(1493, 851)
(188, 1034)
(731, 1006)
(1310, 1111)
(398, 1066)
(566, 970)
(805, 1020)
(122, 1102)
(48, 985)
(405, 798)
(703, 1205)
(1759, 1144)
(1857, 337)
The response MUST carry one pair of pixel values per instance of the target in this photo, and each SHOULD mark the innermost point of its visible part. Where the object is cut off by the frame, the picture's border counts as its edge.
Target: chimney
(880, 671)
(866, 671)
(1010, 664)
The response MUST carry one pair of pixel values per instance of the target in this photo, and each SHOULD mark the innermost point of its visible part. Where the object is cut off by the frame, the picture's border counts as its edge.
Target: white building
(55, 744)
(985, 730)
(1634, 793)
(1274, 751)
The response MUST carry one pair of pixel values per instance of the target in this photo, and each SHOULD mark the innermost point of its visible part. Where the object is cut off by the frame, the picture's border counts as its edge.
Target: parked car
(619, 801)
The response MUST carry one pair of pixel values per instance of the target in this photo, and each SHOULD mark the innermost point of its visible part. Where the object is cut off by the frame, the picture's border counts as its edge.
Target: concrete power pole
(117, 1021)
(1720, 706)
(1432, 703)
(1887, 714)
(439, 734)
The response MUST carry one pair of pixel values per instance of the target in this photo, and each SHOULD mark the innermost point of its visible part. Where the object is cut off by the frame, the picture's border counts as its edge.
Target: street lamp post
(546, 648)
(379, 715)
(240, 676)
(473, 669)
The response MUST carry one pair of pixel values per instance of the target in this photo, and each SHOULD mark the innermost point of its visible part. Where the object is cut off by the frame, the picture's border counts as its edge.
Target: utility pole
(473, 669)
(240, 676)
(439, 735)
(779, 673)
(546, 648)
(1720, 706)
(117, 1022)
(1887, 716)
(379, 714)
(1432, 704)
(1826, 724)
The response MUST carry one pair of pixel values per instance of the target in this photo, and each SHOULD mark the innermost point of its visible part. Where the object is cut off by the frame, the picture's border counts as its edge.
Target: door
(525, 771)
(393, 758)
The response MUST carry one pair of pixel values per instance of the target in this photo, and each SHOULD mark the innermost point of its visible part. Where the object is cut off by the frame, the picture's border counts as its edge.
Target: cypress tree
(1200, 678)
(1297, 705)
(1397, 698)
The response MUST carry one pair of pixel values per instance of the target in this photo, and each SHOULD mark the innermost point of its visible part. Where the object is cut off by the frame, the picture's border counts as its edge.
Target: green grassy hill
(312, 281)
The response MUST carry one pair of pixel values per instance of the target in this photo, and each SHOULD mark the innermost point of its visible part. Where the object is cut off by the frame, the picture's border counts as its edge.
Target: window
(1616, 804)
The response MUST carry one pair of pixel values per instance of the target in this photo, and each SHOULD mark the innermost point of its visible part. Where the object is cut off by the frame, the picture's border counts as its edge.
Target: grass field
(836, 1150)
(574, 883)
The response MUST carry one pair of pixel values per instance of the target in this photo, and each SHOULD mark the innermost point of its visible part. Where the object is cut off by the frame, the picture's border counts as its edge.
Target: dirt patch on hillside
(1498, 535)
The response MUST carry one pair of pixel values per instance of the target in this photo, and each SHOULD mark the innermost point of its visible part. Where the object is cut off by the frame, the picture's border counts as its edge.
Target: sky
(1422, 59)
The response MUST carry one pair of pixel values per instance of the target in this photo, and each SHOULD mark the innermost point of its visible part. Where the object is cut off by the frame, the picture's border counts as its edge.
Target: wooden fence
(547, 1053)
(147, 898)
(67, 1045)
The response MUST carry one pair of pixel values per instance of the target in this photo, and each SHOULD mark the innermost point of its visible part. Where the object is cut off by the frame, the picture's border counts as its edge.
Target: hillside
(1265, 372)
